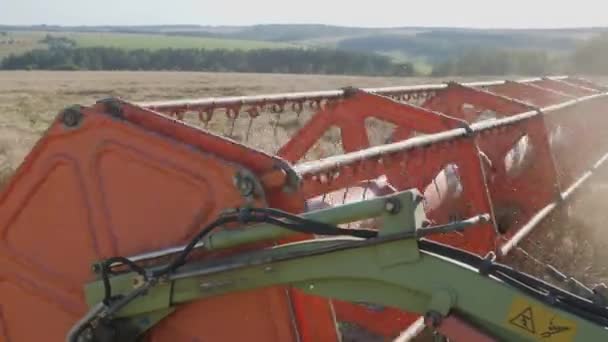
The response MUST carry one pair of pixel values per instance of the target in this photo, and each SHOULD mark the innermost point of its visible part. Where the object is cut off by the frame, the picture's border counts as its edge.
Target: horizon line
(310, 24)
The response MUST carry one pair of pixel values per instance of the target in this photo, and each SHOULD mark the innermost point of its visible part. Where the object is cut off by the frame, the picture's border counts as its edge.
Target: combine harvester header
(139, 180)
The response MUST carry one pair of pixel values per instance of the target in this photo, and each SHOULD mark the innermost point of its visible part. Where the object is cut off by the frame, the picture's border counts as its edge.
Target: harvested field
(573, 239)
(18, 42)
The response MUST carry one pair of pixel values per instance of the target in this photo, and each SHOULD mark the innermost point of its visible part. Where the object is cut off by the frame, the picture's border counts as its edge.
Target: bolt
(433, 319)
(244, 183)
(137, 281)
(349, 91)
(246, 187)
(389, 206)
(392, 206)
(71, 116)
(113, 107)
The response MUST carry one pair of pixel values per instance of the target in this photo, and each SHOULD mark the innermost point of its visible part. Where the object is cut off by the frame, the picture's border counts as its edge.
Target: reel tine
(253, 113)
(233, 122)
(275, 126)
(345, 195)
(365, 190)
(248, 129)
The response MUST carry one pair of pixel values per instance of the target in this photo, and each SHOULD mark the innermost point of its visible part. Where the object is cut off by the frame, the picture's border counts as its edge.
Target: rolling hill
(422, 45)
(20, 41)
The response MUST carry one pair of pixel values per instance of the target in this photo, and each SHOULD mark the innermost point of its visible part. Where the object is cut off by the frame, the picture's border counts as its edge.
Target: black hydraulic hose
(106, 270)
(545, 292)
(243, 216)
(308, 226)
(256, 215)
(183, 255)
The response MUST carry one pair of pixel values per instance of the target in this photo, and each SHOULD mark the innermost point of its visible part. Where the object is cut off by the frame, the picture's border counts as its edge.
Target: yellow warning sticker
(538, 322)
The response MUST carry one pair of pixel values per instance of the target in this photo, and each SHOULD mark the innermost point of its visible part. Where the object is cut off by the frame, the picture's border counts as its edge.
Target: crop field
(17, 42)
(155, 42)
(20, 42)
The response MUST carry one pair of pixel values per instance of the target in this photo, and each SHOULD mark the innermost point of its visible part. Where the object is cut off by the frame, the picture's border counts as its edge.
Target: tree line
(589, 57)
(436, 46)
(289, 60)
(475, 62)
(592, 57)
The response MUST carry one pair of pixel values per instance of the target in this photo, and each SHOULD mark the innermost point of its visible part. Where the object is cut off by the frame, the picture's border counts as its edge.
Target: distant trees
(58, 42)
(299, 61)
(405, 69)
(438, 45)
(477, 62)
(591, 57)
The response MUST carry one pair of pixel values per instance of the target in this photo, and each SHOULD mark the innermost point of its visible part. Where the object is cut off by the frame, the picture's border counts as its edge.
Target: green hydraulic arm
(461, 296)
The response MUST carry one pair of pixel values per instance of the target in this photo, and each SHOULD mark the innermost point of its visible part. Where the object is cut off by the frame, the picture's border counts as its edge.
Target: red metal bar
(565, 87)
(469, 103)
(589, 89)
(350, 115)
(515, 201)
(585, 83)
(205, 104)
(530, 93)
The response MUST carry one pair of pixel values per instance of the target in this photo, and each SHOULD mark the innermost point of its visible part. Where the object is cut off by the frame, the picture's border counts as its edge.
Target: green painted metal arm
(390, 270)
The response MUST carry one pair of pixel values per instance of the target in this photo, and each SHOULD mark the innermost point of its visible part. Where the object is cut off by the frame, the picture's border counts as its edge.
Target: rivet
(71, 117)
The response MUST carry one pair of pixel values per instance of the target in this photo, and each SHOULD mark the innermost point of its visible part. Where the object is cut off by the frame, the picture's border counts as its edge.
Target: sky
(376, 13)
